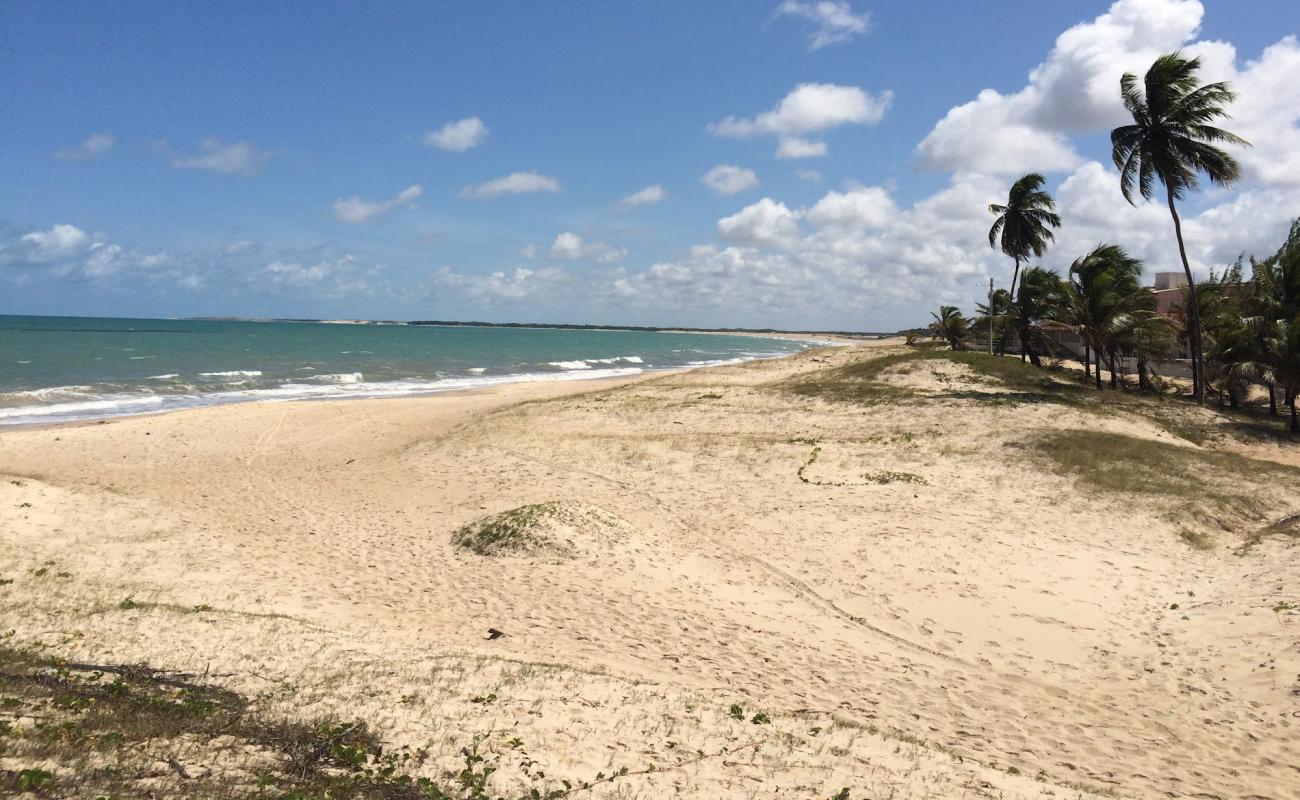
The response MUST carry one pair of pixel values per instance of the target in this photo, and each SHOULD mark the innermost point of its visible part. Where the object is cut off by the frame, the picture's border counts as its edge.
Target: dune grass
(860, 381)
(512, 531)
(1195, 485)
(81, 730)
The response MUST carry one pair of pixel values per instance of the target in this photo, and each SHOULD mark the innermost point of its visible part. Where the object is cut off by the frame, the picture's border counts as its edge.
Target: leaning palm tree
(1024, 225)
(950, 325)
(1042, 298)
(1170, 140)
(1104, 287)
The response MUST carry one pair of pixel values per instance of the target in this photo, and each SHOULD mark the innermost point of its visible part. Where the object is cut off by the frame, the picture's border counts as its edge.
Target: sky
(776, 163)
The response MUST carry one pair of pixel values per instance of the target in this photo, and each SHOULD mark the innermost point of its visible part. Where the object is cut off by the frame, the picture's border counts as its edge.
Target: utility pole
(991, 316)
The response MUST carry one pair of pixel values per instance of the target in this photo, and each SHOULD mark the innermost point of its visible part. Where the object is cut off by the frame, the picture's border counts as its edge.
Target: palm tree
(1283, 343)
(1142, 333)
(1024, 225)
(950, 325)
(1170, 140)
(1041, 298)
(1104, 285)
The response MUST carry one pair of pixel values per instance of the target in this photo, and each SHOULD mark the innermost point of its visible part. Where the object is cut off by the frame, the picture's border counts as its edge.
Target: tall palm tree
(951, 325)
(1171, 140)
(1024, 225)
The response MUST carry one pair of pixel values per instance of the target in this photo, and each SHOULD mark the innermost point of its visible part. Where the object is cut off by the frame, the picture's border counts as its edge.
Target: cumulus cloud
(645, 197)
(354, 210)
(1075, 91)
(458, 136)
(65, 251)
(727, 179)
(60, 240)
(238, 158)
(832, 22)
(765, 223)
(808, 108)
(794, 147)
(514, 183)
(810, 175)
(569, 246)
(94, 146)
(864, 207)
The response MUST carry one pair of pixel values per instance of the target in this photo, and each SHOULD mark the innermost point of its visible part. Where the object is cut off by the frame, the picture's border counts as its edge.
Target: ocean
(55, 369)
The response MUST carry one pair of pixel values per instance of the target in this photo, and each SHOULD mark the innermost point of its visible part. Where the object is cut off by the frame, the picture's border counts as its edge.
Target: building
(1169, 291)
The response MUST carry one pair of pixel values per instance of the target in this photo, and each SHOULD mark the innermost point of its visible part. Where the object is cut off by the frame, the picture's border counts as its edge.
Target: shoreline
(522, 380)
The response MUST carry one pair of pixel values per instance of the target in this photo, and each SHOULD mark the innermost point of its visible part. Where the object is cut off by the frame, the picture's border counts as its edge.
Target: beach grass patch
(1196, 486)
(87, 730)
(559, 528)
(864, 381)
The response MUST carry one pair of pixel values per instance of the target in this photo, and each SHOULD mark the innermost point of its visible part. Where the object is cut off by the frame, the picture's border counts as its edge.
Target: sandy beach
(738, 588)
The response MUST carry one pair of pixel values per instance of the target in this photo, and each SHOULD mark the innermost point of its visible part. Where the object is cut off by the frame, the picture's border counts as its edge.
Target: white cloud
(810, 175)
(514, 183)
(765, 223)
(569, 246)
(354, 210)
(59, 240)
(1075, 91)
(645, 197)
(1267, 109)
(238, 158)
(833, 22)
(794, 147)
(94, 146)
(521, 283)
(66, 251)
(808, 108)
(458, 136)
(728, 179)
(865, 207)
(341, 276)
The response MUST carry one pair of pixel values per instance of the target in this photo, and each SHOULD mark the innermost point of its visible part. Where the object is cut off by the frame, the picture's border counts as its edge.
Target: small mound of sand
(935, 377)
(564, 528)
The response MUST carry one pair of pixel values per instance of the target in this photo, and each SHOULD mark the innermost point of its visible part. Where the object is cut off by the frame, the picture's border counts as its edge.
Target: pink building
(1169, 291)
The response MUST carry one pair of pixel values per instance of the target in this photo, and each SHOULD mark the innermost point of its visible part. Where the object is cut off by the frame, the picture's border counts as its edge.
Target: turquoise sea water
(64, 368)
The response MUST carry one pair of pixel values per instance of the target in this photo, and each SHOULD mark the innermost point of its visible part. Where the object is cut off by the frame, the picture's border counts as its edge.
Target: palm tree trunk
(1198, 366)
(1111, 363)
(1144, 382)
(1087, 361)
(1295, 421)
(1272, 401)
(1096, 354)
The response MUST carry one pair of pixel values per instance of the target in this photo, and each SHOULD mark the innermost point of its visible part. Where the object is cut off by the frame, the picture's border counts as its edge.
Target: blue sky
(167, 159)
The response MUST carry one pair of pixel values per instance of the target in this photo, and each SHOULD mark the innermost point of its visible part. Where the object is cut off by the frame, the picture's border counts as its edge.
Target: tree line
(1238, 332)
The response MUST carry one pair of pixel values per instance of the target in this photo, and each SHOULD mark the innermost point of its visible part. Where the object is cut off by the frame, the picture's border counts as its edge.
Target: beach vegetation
(1192, 485)
(510, 532)
(98, 730)
(1023, 226)
(1172, 141)
(950, 326)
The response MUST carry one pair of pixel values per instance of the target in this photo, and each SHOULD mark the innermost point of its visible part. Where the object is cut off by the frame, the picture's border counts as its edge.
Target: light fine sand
(991, 631)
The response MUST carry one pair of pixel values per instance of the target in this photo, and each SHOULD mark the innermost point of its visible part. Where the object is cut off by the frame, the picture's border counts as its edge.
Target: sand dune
(921, 607)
